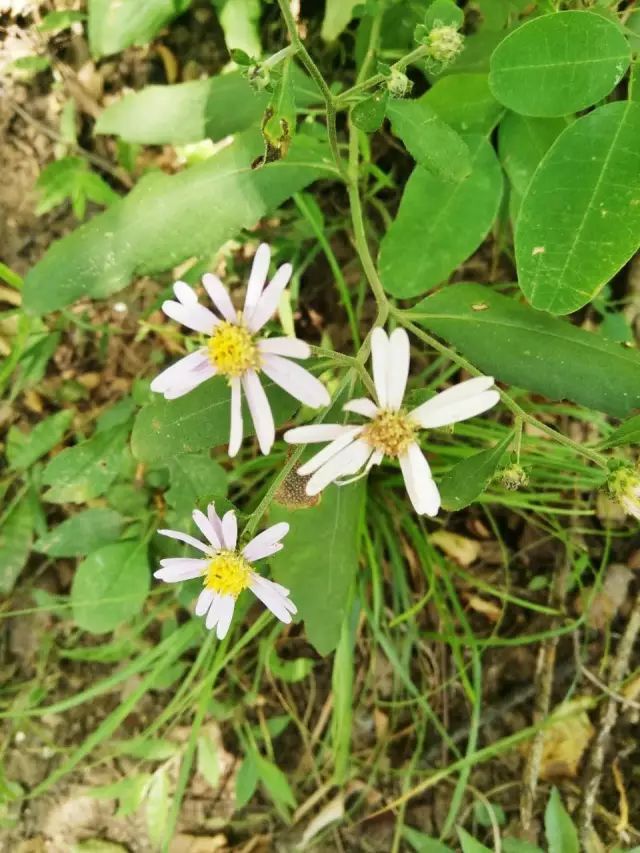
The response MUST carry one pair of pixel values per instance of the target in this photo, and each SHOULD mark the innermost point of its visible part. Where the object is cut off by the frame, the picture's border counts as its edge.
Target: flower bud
(259, 78)
(444, 43)
(398, 84)
(624, 487)
(513, 477)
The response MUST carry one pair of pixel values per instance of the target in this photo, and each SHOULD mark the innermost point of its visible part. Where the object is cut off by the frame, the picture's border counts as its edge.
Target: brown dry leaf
(485, 607)
(608, 600)
(333, 811)
(184, 843)
(464, 551)
(566, 741)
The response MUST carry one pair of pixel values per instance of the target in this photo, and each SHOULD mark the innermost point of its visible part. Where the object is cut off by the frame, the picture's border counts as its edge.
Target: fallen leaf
(604, 605)
(333, 811)
(565, 741)
(464, 551)
(486, 608)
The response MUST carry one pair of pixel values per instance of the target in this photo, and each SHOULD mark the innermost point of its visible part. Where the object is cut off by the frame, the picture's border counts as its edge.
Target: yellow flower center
(228, 573)
(232, 349)
(391, 432)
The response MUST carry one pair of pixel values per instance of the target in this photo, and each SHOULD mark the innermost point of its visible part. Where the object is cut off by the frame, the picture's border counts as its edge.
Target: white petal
(296, 381)
(180, 372)
(185, 293)
(260, 411)
(174, 569)
(348, 461)
(191, 381)
(215, 521)
(460, 410)
(195, 317)
(214, 611)
(362, 406)
(257, 277)
(397, 368)
(235, 432)
(268, 302)
(184, 537)
(334, 447)
(271, 598)
(204, 601)
(206, 528)
(423, 492)
(380, 363)
(220, 297)
(256, 549)
(290, 347)
(313, 433)
(225, 615)
(461, 391)
(230, 530)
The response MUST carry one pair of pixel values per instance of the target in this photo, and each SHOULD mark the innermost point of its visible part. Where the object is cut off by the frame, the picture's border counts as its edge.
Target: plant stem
(342, 100)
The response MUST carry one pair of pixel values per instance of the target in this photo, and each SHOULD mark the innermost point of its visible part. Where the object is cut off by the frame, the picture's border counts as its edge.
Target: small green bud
(514, 477)
(398, 84)
(258, 77)
(624, 487)
(444, 43)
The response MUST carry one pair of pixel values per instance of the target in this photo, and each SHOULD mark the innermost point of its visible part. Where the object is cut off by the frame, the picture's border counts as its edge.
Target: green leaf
(291, 671)
(16, 533)
(444, 13)
(116, 24)
(626, 433)
(320, 578)
(421, 843)
(169, 218)
(97, 845)
(368, 114)
(431, 142)
(562, 836)
(514, 845)
(239, 20)
(467, 480)
(110, 586)
(24, 448)
(129, 792)
(59, 20)
(275, 782)
(545, 355)
(246, 781)
(195, 479)
(208, 760)
(185, 112)
(157, 807)
(469, 844)
(337, 14)
(155, 749)
(31, 64)
(522, 143)
(82, 533)
(199, 420)
(465, 103)
(87, 470)
(558, 64)
(580, 218)
(440, 223)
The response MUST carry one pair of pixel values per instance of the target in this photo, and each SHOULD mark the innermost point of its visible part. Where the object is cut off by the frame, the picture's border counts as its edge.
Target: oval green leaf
(580, 219)
(320, 558)
(110, 586)
(169, 218)
(528, 348)
(82, 533)
(440, 223)
(465, 102)
(559, 63)
(467, 480)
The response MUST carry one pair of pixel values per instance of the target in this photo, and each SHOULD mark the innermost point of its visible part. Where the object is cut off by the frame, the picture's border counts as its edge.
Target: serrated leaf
(467, 480)
(465, 103)
(24, 448)
(440, 223)
(431, 142)
(16, 533)
(484, 325)
(169, 218)
(580, 218)
(562, 836)
(116, 24)
(208, 760)
(85, 471)
(82, 533)
(157, 807)
(320, 577)
(196, 421)
(110, 586)
(558, 64)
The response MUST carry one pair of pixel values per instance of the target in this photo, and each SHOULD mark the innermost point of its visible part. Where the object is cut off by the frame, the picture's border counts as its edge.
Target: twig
(592, 775)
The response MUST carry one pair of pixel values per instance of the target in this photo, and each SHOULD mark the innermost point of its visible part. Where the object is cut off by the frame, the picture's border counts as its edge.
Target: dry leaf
(333, 811)
(608, 600)
(566, 741)
(464, 551)
(486, 608)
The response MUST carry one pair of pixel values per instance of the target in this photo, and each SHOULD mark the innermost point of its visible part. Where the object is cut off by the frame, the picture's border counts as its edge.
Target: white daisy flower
(235, 350)
(225, 571)
(391, 430)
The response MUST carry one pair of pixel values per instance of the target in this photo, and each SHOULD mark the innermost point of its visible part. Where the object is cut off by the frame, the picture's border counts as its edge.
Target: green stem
(342, 100)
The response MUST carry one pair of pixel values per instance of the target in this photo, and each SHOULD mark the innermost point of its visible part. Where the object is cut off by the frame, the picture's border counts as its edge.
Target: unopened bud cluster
(444, 43)
(514, 477)
(624, 487)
